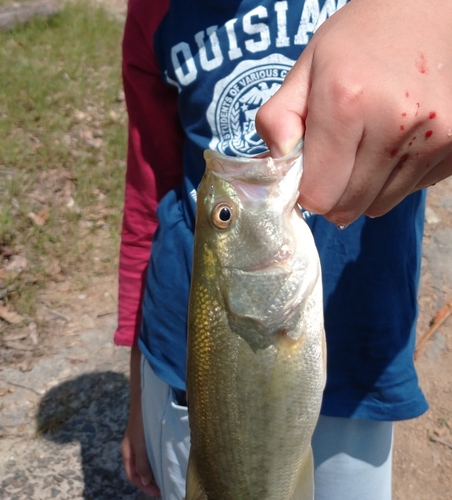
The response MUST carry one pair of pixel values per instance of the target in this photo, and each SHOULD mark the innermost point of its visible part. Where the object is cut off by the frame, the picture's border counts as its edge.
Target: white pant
(352, 458)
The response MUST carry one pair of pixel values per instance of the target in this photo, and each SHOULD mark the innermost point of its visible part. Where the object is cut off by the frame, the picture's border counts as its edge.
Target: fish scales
(256, 352)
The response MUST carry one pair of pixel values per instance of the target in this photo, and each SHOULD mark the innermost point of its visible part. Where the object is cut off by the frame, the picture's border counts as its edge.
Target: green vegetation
(62, 147)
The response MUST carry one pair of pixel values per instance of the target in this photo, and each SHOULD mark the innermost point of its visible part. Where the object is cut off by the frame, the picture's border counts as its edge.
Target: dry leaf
(17, 346)
(17, 263)
(10, 316)
(67, 189)
(79, 115)
(95, 143)
(44, 213)
(15, 336)
(8, 276)
(38, 221)
(26, 365)
(33, 333)
(52, 267)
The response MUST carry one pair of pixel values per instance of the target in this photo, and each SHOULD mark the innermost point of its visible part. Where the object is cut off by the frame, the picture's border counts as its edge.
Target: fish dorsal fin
(194, 489)
(304, 487)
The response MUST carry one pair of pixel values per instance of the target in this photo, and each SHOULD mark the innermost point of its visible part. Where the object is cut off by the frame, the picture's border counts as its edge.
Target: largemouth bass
(256, 351)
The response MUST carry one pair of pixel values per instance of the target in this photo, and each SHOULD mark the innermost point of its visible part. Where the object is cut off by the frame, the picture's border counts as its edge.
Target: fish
(256, 363)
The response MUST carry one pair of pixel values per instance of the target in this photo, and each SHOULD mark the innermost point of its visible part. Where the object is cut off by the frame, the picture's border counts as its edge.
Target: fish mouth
(280, 259)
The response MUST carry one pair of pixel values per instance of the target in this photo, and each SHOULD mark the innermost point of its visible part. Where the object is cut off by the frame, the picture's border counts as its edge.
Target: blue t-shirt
(227, 59)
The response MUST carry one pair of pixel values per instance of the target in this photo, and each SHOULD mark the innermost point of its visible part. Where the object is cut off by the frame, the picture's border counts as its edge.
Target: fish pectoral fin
(304, 487)
(194, 490)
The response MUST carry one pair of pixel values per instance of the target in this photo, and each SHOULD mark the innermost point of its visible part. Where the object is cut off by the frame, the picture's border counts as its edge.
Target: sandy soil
(423, 447)
(72, 387)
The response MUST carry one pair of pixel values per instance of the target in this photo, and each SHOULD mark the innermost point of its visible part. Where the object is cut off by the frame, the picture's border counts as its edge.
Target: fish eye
(222, 215)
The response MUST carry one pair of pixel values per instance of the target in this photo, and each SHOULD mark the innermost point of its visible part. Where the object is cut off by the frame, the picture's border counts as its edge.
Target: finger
(150, 489)
(142, 466)
(142, 475)
(334, 130)
(414, 171)
(437, 173)
(374, 166)
(400, 183)
(280, 120)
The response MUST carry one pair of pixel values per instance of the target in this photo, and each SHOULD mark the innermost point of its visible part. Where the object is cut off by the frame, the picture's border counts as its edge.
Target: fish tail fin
(304, 487)
(194, 489)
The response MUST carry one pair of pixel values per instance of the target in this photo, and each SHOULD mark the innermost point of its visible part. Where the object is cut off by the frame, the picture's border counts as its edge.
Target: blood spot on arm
(394, 153)
(421, 64)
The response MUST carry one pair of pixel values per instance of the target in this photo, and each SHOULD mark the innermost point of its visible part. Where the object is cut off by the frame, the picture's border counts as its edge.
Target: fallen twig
(24, 387)
(438, 320)
(441, 441)
(106, 313)
(17, 346)
(56, 313)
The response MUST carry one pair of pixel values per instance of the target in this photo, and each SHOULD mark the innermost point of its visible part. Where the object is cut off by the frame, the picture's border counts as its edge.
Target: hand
(133, 446)
(372, 95)
(136, 463)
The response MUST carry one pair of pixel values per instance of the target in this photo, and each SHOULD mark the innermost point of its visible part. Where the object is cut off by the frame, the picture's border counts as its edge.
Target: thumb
(280, 121)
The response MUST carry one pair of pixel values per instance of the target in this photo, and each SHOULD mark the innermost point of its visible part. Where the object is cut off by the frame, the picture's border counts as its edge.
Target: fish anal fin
(194, 489)
(304, 487)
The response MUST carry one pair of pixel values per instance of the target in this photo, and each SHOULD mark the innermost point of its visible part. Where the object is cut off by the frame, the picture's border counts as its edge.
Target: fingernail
(145, 480)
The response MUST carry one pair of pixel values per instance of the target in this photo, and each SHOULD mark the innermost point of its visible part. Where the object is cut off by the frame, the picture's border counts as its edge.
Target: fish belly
(252, 412)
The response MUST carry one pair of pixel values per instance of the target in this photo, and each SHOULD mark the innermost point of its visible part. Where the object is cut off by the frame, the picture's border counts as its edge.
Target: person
(370, 95)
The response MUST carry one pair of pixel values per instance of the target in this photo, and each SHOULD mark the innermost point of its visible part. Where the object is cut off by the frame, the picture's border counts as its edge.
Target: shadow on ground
(92, 410)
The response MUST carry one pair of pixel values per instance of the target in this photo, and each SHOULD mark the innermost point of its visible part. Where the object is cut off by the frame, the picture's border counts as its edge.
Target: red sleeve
(154, 157)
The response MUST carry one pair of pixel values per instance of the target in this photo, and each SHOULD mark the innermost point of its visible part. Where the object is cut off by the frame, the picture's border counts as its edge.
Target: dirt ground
(64, 397)
(423, 447)
(64, 393)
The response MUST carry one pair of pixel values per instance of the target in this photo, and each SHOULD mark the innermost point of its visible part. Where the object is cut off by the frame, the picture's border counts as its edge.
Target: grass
(63, 147)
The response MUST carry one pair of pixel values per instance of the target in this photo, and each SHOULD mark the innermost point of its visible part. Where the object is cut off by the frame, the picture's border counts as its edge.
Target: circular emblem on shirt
(236, 100)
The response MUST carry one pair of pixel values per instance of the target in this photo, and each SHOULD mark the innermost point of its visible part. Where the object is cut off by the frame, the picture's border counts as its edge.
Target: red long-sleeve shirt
(154, 158)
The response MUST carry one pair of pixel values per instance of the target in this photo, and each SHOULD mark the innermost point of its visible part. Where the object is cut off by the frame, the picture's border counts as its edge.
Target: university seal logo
(235, 102)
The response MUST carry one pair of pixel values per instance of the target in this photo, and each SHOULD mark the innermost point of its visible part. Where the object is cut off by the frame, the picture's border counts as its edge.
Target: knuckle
(347, 94)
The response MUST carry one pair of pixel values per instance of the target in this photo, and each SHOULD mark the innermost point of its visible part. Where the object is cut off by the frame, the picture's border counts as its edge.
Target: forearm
(135, 380)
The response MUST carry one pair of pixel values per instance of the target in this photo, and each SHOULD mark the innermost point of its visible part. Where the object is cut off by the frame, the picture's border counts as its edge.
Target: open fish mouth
(282, 259)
